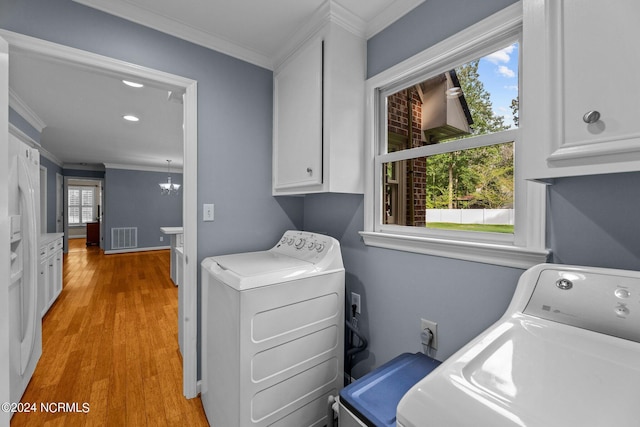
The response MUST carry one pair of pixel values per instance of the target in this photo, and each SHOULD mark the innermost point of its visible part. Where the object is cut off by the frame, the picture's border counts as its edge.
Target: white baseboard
(126, 251)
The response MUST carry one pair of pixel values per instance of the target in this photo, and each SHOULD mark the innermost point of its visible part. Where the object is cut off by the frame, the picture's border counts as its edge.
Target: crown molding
(18, 133)
(328, 12)
(89, 60)
(21, 107)
(178, 29)
(51, 157)
(141, 168)
(83, 167)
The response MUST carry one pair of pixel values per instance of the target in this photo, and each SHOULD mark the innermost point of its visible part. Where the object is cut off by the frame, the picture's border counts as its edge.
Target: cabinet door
(57, 280)
(600, 59)
(51, 279)
(576, 62)
(298, 94)
(43, 283)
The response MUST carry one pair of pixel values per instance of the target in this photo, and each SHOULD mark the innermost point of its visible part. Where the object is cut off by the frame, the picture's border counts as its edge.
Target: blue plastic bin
(374, 398)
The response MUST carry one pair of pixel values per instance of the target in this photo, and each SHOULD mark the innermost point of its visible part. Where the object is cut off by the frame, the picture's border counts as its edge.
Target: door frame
(59, 203)
(65, 211)
(106, 65)
(43, 198)
(5, 395)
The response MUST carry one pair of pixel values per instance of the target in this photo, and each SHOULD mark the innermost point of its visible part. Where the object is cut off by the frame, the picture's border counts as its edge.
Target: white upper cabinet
(318, 122)
(581, 104)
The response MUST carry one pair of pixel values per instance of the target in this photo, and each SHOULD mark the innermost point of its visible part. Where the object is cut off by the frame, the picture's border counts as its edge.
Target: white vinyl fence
(471, 216)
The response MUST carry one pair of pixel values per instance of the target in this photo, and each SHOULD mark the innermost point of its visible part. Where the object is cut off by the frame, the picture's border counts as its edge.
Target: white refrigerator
(25, 322)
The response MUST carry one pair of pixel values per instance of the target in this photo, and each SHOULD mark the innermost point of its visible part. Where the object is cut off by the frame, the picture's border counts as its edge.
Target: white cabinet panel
(298, 119)
(50, 273)
(598, 62)
(578, 58)
(318, 136)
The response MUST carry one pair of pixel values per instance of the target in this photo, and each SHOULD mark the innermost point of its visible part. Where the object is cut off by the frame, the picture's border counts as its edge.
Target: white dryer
(273, 333)
(566, 353)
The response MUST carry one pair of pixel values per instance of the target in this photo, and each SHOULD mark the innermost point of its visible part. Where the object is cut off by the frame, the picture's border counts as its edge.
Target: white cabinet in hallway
(580, 111)
(50, 270)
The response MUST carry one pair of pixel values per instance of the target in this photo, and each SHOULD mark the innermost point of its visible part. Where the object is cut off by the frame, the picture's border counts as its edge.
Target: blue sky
(499, 74)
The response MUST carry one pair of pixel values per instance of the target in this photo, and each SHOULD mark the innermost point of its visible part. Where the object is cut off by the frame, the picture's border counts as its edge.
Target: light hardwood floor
(111, 341)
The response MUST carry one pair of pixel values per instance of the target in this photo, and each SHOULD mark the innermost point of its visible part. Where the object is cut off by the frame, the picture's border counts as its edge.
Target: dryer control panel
(600, 302)
(306, 246)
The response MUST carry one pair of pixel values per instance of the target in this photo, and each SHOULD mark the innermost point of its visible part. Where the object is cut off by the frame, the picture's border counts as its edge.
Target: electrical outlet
(162, 238)
(433, 327)
(355, 299)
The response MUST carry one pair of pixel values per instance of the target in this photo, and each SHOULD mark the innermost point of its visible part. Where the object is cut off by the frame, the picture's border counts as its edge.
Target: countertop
(47, 238)
(172, 230)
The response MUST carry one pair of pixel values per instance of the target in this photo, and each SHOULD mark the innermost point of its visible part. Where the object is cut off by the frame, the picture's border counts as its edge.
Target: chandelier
(168, 187)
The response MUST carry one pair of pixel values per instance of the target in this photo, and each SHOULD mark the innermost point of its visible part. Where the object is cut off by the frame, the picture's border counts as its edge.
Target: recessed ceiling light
(132, 84)
(131, 118)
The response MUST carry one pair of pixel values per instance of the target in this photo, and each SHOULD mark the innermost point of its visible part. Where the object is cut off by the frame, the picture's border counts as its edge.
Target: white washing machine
(273, 333)
(566, 353)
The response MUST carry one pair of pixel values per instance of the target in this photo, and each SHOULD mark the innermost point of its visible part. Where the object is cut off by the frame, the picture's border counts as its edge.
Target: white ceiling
(81, 110)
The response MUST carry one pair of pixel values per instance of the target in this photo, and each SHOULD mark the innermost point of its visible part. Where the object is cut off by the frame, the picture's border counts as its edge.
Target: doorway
(83, 213)
(19, 43)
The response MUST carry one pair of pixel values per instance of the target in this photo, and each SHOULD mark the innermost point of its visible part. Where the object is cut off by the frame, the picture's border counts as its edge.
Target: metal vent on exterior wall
(124, 237)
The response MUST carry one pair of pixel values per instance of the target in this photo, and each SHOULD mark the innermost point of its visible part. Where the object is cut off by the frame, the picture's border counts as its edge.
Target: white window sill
(489, 253)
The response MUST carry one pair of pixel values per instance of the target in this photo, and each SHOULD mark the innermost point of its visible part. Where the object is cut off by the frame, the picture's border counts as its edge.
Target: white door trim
(59, 203)
(43, 198)
(103, 64)
(4, 228)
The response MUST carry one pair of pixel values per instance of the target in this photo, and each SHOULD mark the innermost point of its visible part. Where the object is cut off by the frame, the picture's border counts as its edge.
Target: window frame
(81, 205)
(522, 249)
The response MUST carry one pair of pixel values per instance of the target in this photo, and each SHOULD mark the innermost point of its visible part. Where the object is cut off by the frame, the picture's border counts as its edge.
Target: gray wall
(426, 25)
(593, 220)
(132, 199)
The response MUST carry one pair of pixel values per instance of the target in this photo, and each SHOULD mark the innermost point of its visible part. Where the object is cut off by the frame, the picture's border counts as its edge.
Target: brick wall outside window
(398, 123)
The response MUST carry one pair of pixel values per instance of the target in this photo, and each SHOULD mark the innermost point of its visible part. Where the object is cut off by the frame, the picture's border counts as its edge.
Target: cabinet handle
(310, 171)
(591, 116)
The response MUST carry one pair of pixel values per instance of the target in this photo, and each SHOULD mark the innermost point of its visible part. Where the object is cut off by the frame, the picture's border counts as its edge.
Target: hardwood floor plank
(111, 341)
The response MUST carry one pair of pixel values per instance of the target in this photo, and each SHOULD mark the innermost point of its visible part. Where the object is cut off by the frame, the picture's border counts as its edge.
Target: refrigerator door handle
(27, 189)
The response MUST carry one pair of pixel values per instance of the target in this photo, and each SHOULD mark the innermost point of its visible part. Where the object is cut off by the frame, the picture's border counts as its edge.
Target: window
(467, 185)
(81, 205)
(445, 171)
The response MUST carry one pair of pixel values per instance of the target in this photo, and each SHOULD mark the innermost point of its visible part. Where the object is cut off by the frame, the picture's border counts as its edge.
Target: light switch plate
(207, 212)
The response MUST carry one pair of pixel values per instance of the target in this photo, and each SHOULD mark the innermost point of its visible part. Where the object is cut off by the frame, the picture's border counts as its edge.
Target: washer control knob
(564, 284)
(319, 247)
(290, 241)
(622, 293)
(311, 245)
(622, 311)
(300, 243)
(283, 240)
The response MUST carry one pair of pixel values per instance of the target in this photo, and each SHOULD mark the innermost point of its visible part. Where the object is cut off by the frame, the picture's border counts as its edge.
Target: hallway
(111, 341)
